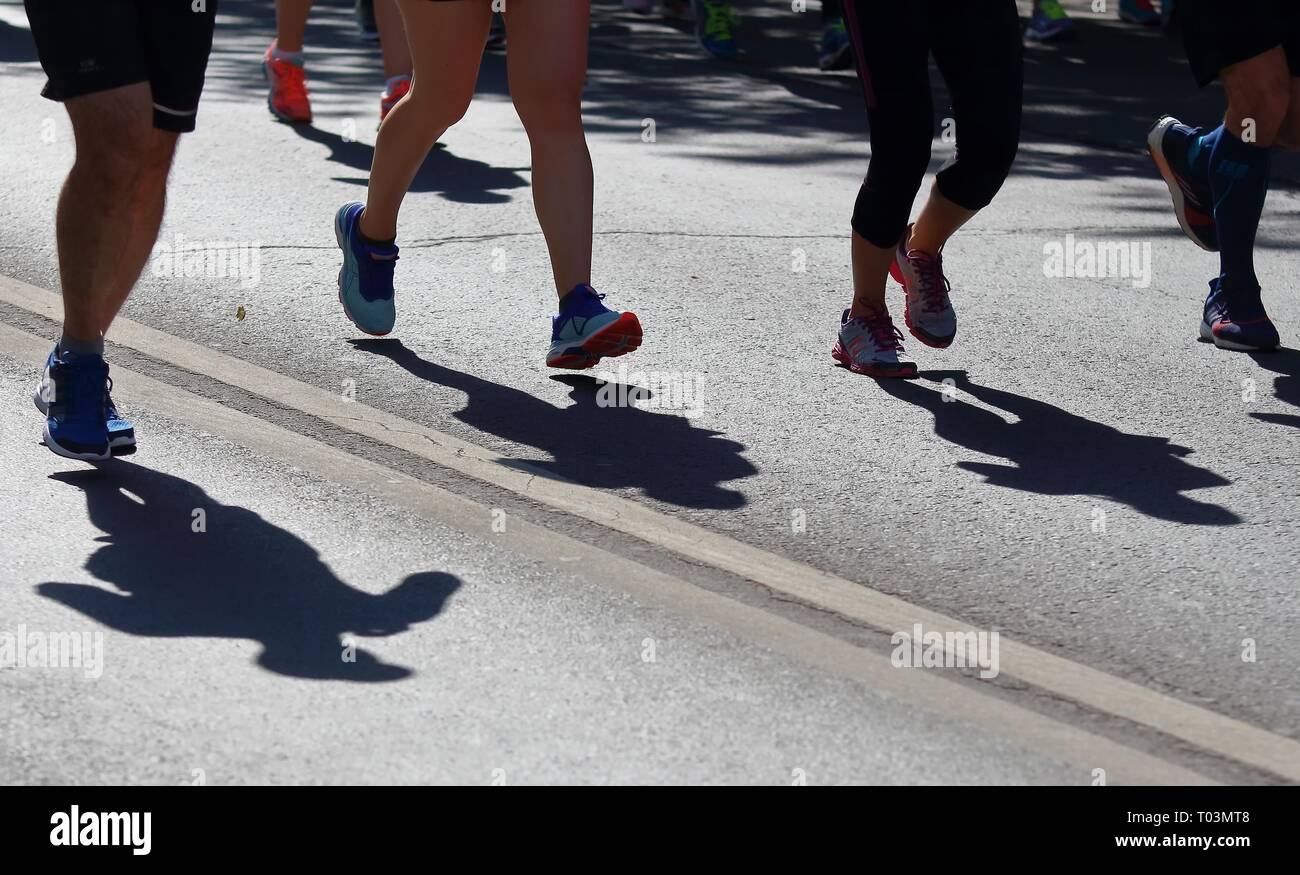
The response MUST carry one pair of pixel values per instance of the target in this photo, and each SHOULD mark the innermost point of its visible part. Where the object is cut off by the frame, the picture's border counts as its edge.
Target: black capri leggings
(977, 47)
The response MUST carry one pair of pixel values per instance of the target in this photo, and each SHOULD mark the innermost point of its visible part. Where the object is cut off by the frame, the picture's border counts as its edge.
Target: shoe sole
(1155, 138)
(117, 446)
(338, 238)
(1065, 34)
(619, 337)
(880, 373)
(1207, 335)
(58, 450)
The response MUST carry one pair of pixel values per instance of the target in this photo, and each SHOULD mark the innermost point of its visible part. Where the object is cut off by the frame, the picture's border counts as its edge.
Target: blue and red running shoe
(366, 277)
(1237, 321)
(1139, 12)
(1169, 142)
(585, 331)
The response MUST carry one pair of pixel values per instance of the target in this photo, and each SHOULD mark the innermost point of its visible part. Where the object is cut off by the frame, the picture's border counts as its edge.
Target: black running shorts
(87, 46)
(1219, 33)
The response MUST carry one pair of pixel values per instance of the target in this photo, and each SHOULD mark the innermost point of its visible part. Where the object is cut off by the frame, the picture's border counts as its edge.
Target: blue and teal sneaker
(715, 28)
(1237, 321)
(366, 278)
(73, 395)
(1049, 22)
(585, 331)
(836, 52)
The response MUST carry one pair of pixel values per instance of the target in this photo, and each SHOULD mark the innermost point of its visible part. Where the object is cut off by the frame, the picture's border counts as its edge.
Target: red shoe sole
(617, 338)
(881, 372)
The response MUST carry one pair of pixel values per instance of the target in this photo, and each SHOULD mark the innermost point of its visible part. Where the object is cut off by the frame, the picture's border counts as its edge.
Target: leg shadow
(1052, 452)
(1286, 387)
(461, 180)
(241, 578)
(662, 455)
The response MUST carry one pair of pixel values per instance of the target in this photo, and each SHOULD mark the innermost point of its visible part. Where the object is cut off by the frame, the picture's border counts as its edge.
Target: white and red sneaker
(394, 90)
(927, 310)
(871, 345)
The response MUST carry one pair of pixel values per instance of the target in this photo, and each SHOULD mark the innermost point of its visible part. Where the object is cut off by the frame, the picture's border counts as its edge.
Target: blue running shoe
(366, 278)
(1237, 321)
(73, 395)
(585, 331)
(715, 28)
(1049, 22)
(836, 52)
(121, 434)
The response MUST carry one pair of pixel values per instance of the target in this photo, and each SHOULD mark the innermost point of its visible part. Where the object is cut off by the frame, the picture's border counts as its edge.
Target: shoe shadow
(1053, 452)
(1286, 386)
(662, 455)
(461, 180)
(242, 577)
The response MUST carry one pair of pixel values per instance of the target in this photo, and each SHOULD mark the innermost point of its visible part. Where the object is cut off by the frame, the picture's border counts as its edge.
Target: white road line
(930, 691)
(1217, 733)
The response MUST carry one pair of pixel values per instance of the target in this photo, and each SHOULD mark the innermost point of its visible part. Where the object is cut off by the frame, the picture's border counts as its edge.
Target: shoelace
(884, 334)
(87, 379)
(291, 80)
(110, 409)
(719, 20)
(599, 296)
(1052, 10)
(933, 286)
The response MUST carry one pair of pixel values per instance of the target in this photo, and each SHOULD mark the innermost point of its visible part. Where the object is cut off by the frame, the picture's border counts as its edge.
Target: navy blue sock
(82, 347)
(1239, 174)
(1199, 149)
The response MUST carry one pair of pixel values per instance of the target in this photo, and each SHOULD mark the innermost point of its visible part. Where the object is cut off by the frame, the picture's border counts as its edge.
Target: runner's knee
(122, 154)
(984, 161)
(546, 109)
(900, 155)
(438, 109)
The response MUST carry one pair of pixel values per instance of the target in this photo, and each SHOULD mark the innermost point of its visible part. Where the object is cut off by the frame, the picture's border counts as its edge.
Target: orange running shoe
(288, 98)
(394, 91)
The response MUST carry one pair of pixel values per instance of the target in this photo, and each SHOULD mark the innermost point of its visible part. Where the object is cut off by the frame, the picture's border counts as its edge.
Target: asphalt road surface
(429, 559)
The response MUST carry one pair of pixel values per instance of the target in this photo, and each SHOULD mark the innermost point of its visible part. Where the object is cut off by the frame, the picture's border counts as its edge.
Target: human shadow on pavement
(1053, 452)
(461, 180)
(605, 447)
(1286, 387)
(242, 577)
